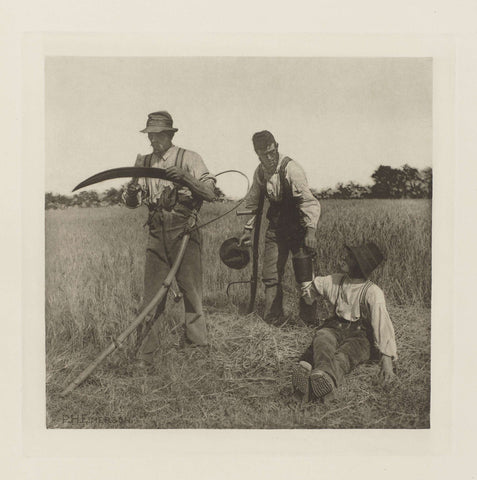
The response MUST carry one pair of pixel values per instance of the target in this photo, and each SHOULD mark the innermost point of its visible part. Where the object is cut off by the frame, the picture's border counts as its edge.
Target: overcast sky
(340, 118)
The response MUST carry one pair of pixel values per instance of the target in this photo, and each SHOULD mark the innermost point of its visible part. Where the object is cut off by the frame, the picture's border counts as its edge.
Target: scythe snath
(116, 343)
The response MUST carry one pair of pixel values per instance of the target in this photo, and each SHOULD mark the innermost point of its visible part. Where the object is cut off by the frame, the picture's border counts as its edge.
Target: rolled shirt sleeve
(310, 208)
(251, 202)
(328, 286)
(383, 329)
(195, 165)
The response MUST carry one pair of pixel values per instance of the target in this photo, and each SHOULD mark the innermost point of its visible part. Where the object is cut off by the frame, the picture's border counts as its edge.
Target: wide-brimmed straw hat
(234, 255)
(368, 256)
(158, 122)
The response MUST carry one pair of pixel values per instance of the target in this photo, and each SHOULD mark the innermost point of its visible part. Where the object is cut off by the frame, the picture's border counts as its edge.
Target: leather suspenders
(148, 163)
(282, 177)
(361, 297)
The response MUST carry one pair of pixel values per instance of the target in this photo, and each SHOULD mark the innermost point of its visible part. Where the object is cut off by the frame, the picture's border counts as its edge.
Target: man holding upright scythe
(173, 208)
(292, 215)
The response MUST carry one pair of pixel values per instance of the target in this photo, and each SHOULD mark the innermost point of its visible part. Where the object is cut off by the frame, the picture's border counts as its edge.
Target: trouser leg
(307, 355)
(354, 349)
(189, 276)
(156, 269)
(325, 344)
(163, 247)
(274, 260)
(189, 280)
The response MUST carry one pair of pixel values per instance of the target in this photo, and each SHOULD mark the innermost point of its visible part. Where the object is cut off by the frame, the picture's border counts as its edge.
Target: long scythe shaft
(137, 321)
(255, 247)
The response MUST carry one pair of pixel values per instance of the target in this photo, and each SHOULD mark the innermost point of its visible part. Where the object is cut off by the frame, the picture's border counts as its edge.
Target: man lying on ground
(360, 324)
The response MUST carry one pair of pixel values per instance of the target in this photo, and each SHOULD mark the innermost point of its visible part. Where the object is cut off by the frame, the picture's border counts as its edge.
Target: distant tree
(112, 196)
(388, 182)
(343, 191)
(49, 198)
(412, 183)
(75, 200)
(63, 201)
(82, 199)
(404, 182)
(426, 179)
(86, 199)
(358, 191)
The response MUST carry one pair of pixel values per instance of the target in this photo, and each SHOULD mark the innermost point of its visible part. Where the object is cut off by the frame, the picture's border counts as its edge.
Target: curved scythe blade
(125, 172)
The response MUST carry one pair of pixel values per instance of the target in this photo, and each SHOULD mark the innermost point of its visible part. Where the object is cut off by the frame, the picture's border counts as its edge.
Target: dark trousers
(162, 248)
(277, 248)
(337, 348)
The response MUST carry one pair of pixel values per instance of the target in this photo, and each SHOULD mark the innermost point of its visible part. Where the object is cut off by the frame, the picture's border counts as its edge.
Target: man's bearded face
(268, 157)
(160, 142)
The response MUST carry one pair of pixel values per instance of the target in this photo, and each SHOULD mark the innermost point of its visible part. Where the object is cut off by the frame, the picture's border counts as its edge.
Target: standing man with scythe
(292, 216)
(173, 208)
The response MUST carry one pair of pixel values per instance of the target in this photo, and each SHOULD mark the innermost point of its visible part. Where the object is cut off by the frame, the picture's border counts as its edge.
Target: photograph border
(40, 442)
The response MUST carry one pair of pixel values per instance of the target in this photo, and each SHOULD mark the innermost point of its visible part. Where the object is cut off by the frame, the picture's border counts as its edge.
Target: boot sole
(321, 384)
(301, 381)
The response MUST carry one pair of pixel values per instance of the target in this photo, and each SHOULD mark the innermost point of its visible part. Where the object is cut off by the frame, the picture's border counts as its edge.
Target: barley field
(94, 268)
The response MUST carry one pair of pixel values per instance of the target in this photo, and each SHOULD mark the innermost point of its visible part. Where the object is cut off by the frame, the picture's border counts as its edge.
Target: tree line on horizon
(388, 182)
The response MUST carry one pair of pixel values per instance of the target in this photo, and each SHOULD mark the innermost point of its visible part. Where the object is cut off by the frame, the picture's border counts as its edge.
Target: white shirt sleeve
(195, 165)
(310, 208)
(328, 286)
(383, 329)
(251, 203)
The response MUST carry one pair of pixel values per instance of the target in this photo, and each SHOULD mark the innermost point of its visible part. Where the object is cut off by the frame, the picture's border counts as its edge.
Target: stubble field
(94, 268)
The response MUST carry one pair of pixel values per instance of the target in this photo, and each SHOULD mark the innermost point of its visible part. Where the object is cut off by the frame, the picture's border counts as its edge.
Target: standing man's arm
(196, 175)
(136, 189)
(309, 206)
(251, 203)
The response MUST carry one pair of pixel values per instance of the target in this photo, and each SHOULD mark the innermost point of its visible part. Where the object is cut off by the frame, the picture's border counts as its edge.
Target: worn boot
(321, 384)
(301, 381)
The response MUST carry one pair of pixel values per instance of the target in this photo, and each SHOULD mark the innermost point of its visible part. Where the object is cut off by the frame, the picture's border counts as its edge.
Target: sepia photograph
(238, 242)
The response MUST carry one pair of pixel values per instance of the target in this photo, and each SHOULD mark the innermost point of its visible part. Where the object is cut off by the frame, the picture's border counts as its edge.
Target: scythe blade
(125, 172)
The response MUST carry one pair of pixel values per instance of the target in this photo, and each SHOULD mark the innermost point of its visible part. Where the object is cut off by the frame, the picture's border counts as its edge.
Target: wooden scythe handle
(137, 321)
(256, 241)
